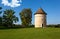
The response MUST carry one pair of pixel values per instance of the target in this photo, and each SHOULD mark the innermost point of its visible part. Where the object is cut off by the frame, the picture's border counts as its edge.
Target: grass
(30, 33)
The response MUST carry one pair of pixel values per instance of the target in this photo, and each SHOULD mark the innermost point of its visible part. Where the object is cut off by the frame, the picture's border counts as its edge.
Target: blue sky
(51, 7)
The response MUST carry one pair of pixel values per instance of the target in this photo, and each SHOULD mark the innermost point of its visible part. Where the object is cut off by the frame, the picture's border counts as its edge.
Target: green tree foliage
(0, 16)
(0, 9)
(26, 17)
(9, 17)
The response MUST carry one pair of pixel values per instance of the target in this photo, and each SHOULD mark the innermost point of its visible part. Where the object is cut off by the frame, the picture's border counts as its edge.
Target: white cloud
(13, 3)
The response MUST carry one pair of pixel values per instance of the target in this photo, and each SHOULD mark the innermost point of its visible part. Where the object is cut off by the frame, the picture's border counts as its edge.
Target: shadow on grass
(14, 28)
(8, 28)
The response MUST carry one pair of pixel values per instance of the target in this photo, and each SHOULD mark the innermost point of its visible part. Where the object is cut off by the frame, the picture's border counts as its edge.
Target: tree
(0, 9)
(26, 17)
(9, 17)
(0, 16)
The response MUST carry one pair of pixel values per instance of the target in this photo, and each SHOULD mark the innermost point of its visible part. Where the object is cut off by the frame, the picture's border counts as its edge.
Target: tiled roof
(40, 11)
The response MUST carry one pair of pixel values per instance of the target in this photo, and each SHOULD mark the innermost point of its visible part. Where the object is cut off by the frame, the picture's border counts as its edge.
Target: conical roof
(40, 11)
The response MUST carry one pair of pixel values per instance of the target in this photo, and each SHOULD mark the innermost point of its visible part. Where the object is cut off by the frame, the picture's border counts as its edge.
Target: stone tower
(40, 18)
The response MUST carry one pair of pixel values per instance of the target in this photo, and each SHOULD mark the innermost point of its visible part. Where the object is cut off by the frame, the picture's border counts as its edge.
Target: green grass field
(30, 33)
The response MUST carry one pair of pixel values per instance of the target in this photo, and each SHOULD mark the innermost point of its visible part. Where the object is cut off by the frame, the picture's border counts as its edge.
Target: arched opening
(42, 25)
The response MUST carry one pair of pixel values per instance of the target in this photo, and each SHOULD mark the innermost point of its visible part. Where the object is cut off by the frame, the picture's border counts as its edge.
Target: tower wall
(40, 20)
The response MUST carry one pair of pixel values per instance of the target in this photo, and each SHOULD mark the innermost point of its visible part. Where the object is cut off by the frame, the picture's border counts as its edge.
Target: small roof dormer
(40, 11)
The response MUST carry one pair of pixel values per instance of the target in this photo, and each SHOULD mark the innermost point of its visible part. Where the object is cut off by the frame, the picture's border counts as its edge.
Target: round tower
(40, 18)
